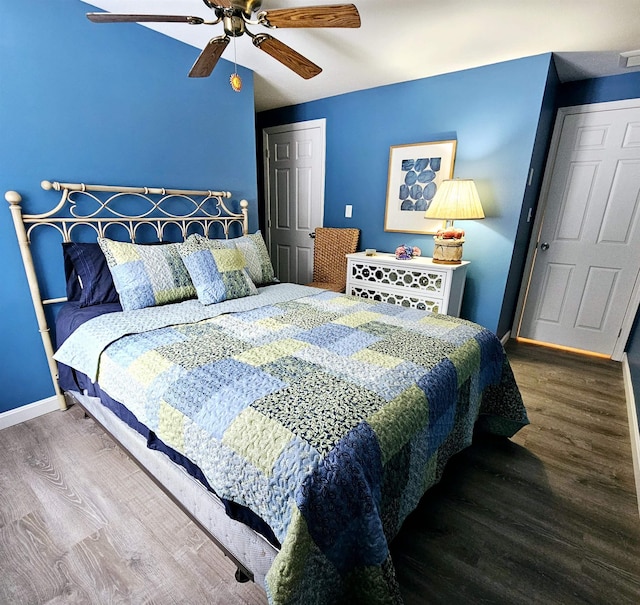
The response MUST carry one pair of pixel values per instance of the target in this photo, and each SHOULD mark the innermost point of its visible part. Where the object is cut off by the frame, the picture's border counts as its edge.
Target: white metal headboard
(205, 209)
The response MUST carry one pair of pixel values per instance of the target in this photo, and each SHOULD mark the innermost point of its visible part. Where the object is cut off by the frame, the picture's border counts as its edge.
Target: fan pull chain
(235, 79)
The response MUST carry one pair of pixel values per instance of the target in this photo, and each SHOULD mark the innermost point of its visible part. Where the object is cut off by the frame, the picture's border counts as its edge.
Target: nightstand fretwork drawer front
(415, 278)
(397, 298)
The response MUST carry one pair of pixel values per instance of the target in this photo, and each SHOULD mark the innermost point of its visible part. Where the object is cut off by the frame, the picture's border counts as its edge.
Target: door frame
(634, 301)
(320, 123)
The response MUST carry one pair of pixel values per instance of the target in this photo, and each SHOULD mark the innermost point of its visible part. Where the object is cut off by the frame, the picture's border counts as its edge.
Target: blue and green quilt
(327, 415)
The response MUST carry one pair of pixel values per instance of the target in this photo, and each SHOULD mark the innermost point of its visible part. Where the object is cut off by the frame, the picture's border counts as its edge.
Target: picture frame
(415, 172)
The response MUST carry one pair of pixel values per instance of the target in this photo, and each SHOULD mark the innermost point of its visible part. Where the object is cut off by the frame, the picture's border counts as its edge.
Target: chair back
(329, 262)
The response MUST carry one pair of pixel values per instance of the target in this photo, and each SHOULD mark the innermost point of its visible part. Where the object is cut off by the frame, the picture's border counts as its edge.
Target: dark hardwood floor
(547, 517)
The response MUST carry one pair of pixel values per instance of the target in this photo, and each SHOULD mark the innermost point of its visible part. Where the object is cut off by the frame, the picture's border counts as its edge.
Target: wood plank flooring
(547, 517)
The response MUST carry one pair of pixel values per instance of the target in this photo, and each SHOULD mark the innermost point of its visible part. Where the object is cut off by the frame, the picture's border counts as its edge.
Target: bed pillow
(147, 275)
(74, 289)
(88, 276)
(217, 269)
(256, 255)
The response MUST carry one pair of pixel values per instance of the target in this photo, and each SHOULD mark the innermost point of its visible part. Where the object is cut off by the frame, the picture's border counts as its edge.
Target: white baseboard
(29, 411)
(634, 430)
(505, 338)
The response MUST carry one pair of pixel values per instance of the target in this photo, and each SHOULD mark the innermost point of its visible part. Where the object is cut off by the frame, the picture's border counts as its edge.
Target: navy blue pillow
(74, 291)
(88, 276)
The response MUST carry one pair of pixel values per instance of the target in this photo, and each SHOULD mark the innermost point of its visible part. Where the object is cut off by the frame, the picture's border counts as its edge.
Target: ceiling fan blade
(332, 15)
(218, 3)
(287, 56)
(117, 18)
(209, 56)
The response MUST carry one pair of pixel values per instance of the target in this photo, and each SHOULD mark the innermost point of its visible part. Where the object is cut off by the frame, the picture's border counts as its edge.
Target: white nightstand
(418, 283)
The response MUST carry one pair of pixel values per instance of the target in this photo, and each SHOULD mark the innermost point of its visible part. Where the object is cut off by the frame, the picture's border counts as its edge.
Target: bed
(298, 427)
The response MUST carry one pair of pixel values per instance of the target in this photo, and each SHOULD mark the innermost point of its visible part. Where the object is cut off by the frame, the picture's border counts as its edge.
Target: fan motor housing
(247, 6)
(233, 25)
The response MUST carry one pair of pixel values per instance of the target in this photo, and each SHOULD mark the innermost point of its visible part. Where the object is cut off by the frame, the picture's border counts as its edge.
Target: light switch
(348, 211)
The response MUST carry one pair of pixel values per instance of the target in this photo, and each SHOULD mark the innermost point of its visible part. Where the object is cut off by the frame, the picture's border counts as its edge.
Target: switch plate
(348, 211)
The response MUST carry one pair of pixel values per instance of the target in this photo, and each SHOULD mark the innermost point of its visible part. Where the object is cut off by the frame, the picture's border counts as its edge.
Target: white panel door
(588, 253)
(294, 174)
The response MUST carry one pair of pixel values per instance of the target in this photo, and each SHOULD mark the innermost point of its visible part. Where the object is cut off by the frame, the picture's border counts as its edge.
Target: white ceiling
(403, 40)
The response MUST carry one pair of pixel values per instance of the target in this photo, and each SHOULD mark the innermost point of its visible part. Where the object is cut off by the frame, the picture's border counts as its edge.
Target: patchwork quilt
(327, 415)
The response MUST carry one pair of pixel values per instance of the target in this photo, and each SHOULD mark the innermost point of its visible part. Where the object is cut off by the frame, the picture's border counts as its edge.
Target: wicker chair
(329, 262)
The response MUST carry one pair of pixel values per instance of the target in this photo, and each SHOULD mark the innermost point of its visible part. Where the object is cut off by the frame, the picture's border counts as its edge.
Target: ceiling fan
(235, 15)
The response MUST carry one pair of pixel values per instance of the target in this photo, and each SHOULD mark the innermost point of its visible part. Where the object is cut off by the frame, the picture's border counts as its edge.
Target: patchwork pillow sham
(217, 269)
(147, 275)
(89, 279)
(256, 255)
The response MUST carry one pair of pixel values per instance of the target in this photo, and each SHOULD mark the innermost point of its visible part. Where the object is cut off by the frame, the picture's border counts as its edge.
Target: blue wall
(600, 90)
(530, 202)
(107, 104)
(494, 113)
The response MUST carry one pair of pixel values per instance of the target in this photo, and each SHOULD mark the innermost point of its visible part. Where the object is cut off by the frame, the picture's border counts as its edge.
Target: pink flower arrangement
(405, 252)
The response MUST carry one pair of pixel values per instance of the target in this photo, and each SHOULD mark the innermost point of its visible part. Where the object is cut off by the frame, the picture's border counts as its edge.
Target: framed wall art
(415, 173)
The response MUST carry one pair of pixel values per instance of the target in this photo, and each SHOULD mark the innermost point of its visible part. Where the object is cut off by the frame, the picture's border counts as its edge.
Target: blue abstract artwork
(418, 183)
(415, 173)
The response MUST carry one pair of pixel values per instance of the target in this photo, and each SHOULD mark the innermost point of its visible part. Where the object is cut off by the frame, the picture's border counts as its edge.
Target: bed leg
(70, 400)
(241, 577)
(62, 402)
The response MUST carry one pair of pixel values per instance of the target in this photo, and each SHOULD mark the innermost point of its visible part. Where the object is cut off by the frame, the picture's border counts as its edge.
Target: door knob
(312, 235)
(544, 246)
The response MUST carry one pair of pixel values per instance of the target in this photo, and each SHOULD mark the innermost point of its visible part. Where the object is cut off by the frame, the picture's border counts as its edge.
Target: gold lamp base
(447, 251)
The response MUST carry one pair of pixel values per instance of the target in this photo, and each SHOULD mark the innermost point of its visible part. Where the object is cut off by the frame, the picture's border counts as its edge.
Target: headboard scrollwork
(102, 208)
(156, 207)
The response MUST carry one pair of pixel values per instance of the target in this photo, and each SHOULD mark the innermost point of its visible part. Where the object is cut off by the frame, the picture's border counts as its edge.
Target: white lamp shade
(455, 199)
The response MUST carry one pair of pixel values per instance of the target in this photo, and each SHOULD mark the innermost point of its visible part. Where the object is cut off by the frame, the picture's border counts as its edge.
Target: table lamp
(454, 199)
